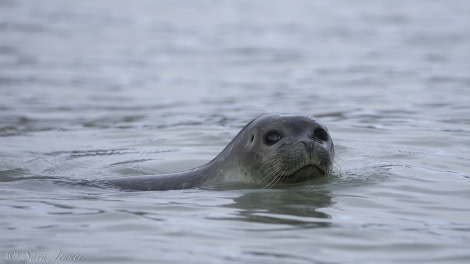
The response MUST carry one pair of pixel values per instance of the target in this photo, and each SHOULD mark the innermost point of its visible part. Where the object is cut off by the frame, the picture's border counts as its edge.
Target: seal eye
(272, 137)
(321, 134)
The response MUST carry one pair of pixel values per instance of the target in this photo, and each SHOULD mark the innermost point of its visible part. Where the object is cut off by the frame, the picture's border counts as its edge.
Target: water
(101, 89)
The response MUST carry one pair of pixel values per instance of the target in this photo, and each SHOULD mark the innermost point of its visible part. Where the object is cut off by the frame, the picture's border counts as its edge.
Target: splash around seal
(270, 150)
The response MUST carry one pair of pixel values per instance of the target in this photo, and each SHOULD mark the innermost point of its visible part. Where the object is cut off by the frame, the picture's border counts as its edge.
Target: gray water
(93, 90)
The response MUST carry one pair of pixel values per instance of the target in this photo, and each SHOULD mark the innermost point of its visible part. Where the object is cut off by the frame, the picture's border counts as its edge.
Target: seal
(270, 150)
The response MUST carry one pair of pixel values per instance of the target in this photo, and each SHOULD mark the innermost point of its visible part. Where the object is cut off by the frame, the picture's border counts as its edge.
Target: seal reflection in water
(272, 149)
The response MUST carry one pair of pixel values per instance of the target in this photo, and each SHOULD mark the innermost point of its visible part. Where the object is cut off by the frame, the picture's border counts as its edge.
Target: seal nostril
(321, 134)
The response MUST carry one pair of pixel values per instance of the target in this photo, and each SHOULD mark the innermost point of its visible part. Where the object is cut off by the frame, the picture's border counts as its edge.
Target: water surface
(91, 90)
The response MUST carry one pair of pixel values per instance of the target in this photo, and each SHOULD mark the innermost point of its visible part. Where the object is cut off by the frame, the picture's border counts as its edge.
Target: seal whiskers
(274, 173)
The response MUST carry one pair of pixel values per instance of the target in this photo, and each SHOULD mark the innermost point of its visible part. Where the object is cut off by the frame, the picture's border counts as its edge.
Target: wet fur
(247, 159)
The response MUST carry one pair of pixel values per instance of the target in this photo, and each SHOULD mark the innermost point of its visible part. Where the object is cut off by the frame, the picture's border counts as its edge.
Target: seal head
(284, 149)
(270, 150)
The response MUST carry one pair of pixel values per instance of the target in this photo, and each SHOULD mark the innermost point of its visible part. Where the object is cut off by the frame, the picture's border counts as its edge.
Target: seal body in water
(272, 149)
